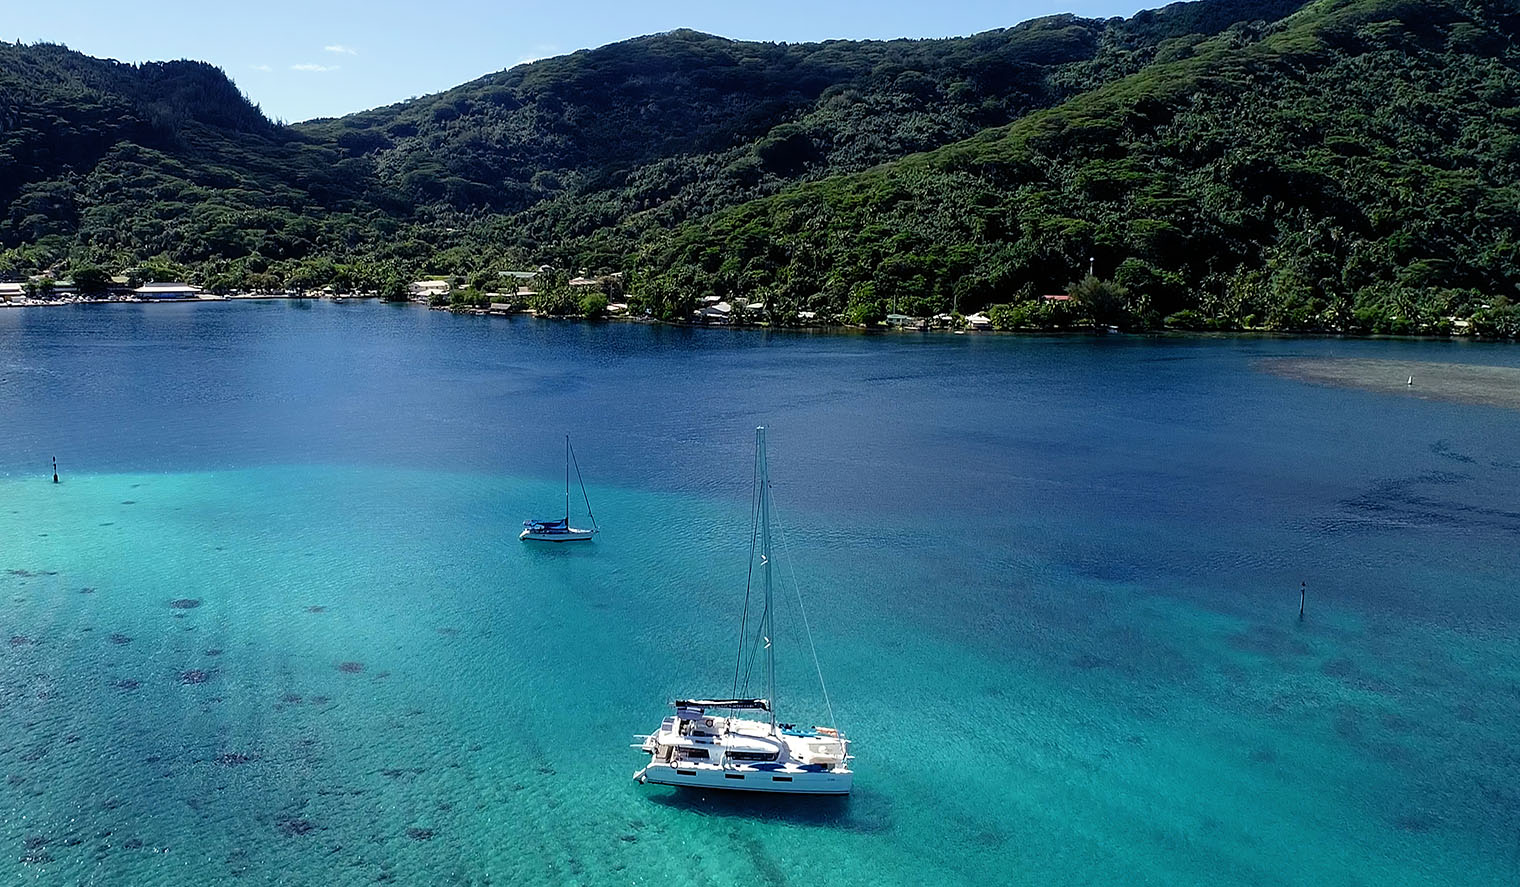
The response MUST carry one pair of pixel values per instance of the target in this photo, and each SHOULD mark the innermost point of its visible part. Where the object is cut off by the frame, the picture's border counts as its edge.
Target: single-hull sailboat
(557, 530)
(747, 749)
(553, 531)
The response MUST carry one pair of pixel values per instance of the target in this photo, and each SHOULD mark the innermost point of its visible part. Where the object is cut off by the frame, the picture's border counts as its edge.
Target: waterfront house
(160, 291)
(979, 321)
(903, 321)
(12, 292)
(424, 289)
(718, 313)
(1058, 297)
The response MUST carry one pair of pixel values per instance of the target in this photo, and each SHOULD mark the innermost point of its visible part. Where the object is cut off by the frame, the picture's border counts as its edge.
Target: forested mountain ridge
(1347, 165)
(111, 164)
(1352, 167)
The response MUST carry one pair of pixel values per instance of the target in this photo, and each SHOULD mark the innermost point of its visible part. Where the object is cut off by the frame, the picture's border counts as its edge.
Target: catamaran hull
(807, 783)
(572, 536)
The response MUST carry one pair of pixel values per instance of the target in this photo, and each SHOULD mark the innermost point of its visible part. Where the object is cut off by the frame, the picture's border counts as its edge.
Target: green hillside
(108, 164)
(1349, 165)
(1355, 166)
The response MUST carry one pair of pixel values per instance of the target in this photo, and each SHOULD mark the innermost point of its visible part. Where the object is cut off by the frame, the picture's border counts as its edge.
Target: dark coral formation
(350, 667)
(120, 639)
(20, 640)
(214, 651)
(232, 758)
(420, 834)
(128, 684)
(185, 603)
(318, 608)
(194, 676)
(294, 826)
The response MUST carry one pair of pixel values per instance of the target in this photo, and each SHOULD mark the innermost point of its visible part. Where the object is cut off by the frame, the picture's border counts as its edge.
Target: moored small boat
(559, 530)
(554, 531)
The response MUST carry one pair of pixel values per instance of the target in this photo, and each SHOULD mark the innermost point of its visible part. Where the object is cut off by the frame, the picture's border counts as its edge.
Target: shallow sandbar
(1459, 382)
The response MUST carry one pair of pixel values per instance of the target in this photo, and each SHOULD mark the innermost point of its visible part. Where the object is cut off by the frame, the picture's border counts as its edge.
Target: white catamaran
(698, 747)
(560, 530)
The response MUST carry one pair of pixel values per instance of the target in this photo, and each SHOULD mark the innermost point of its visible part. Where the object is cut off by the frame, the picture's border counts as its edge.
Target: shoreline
(814, 328)
(133, 300)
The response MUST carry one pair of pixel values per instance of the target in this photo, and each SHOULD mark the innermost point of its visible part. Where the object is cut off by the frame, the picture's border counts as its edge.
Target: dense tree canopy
(1336, 165)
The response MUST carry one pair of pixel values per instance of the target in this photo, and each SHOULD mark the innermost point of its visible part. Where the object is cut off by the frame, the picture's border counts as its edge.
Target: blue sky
(320, 58)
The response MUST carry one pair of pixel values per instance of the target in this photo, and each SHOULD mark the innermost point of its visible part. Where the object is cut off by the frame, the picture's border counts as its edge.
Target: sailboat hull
(745, 779)
(570, 535)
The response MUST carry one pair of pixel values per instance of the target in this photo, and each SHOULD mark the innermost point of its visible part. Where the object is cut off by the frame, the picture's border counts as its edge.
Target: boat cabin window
(751, 756)
(694, 753)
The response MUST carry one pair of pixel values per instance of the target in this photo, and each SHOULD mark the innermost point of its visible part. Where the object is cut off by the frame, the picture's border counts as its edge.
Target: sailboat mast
(765, 570)
(567, 480)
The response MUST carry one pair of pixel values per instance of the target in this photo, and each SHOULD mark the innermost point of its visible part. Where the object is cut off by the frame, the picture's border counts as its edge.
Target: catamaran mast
(765, 568)
(567, 480)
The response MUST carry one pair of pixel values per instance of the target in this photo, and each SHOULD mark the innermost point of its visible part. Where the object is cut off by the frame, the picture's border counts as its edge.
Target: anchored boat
(557, 530)
(736, 743)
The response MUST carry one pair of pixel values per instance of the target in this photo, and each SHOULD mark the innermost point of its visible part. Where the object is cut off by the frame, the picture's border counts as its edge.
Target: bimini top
(750, 704)
(547, 524)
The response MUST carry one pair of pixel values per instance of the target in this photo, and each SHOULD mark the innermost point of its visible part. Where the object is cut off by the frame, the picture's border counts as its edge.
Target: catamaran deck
(745, 755)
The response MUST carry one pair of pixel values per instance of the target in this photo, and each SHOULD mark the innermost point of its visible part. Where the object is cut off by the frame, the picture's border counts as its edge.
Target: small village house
(426, 289)
(163, 291)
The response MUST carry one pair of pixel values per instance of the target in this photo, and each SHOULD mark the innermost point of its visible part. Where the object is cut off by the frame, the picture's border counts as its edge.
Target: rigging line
(797, 591)
(749, 579)
(754, 650)
(582, 482)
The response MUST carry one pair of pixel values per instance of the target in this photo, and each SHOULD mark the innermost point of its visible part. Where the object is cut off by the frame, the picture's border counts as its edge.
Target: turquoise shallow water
(1055, 586)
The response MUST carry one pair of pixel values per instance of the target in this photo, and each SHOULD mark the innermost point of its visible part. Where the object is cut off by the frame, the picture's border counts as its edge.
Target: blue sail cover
(548, 526)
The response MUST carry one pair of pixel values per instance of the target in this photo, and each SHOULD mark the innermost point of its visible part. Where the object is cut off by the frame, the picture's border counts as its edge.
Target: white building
(167, 291)
(719, 312)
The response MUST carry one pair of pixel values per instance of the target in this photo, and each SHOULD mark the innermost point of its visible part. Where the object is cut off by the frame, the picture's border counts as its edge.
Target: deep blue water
(1055, 583)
